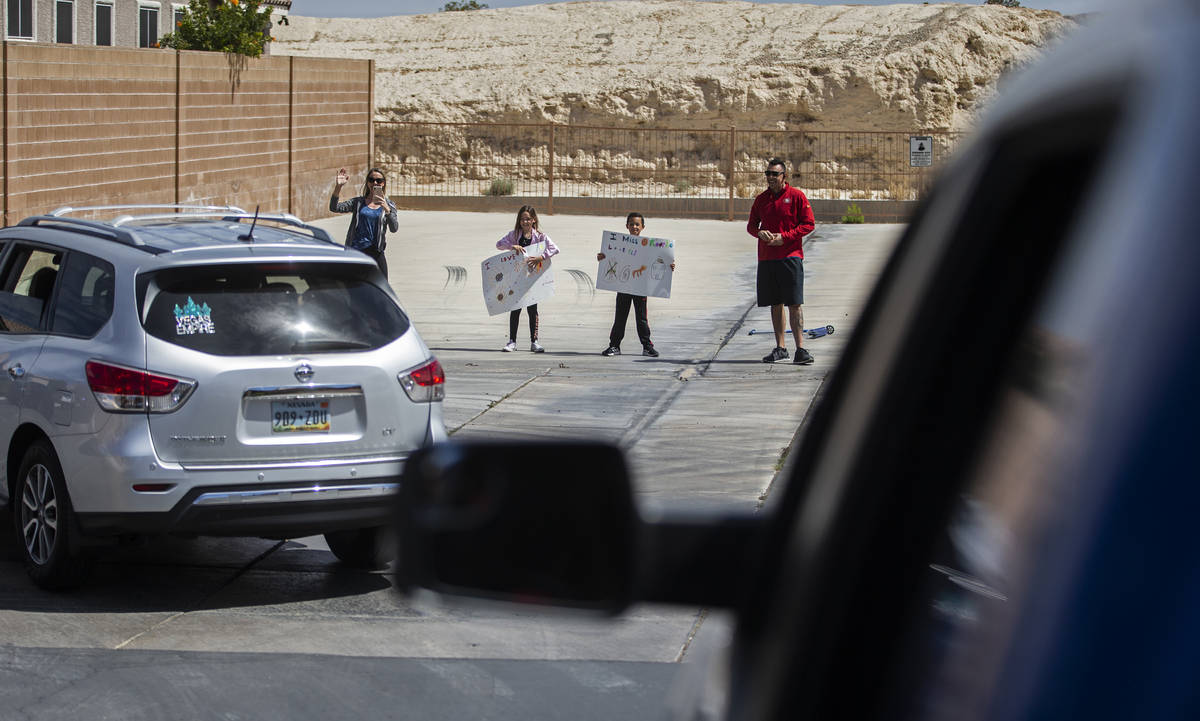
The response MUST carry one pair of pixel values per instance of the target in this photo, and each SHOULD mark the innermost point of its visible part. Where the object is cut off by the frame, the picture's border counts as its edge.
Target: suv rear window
(270, 309)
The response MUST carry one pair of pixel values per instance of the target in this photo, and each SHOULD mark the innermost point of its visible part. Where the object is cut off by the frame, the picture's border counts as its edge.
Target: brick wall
(333, 107)
(233, 144)
(103, 126)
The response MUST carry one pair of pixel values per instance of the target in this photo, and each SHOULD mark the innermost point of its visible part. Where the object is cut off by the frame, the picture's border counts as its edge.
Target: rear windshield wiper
(320, 344)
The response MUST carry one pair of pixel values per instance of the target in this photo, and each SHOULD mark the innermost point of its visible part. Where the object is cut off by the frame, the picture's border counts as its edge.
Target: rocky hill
(684, 62)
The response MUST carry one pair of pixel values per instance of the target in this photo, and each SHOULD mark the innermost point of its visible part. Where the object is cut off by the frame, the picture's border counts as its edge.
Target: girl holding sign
(524, 234)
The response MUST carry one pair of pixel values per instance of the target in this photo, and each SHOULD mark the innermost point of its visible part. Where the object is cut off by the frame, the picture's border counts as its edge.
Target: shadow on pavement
(169, 574)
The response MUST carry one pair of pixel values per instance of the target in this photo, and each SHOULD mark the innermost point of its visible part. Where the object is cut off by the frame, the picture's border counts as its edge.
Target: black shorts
(781, 282)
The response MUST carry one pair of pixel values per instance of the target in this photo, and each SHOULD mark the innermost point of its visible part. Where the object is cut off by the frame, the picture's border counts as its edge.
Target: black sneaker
(611, 350)
(779, 354)
(803, 358)
(649, 350)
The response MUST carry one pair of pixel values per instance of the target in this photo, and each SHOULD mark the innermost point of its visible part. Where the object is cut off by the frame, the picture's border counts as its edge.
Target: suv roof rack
(237, 216)
(67, 210)
(91, 227)
(117, 230)
(111, 231)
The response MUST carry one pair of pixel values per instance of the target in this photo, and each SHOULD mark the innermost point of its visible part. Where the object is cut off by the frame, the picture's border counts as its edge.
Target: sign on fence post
(920, 151)
(635, 264)
(509, 283)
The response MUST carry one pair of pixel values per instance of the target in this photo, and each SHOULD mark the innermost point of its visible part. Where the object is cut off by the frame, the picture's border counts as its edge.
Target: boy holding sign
(635, 224)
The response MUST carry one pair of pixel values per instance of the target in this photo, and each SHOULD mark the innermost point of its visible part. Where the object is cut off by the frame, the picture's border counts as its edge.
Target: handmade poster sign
(636, 264)
(509, 283)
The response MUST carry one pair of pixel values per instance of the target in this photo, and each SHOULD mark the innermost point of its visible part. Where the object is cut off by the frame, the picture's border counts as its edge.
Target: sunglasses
(772, 173)
(376, 181)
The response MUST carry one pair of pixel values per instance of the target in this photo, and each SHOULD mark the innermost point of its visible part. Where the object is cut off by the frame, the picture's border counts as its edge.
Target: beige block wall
(332, 130)
(87, 126)
(233, 142)
(103, 126)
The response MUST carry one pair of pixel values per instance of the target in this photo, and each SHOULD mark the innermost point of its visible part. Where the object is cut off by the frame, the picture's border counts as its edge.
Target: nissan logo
(304, 373)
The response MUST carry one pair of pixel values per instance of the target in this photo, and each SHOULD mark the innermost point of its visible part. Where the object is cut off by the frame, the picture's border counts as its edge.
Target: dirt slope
(870, 67)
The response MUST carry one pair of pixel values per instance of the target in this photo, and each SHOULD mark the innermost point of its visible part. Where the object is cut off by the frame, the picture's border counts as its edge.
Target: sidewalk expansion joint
(786, 453)
(733, 330)
(497, 402)
(695, 629)
(667, 398)
(240, 572)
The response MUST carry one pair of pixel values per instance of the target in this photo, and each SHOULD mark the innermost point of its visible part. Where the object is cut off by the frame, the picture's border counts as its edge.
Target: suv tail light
(425, 384)
(128, 390)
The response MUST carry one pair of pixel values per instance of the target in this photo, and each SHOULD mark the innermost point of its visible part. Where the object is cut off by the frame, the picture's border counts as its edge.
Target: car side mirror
(554, 523)
(547, 523)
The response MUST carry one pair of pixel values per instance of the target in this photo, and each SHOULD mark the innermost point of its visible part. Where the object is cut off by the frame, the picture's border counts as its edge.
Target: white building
(128, 23)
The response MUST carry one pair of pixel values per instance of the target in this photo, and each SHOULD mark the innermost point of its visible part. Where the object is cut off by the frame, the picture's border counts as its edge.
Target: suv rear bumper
(285, 510)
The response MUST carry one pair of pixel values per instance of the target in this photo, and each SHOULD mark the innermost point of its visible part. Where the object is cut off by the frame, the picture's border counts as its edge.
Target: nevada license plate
(310, 415)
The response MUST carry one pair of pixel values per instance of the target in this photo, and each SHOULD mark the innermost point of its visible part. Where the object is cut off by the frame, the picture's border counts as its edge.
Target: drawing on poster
(510, 283)
(635, 264)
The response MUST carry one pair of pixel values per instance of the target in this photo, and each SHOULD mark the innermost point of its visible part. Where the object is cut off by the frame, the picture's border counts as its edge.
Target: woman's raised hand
(341, 177)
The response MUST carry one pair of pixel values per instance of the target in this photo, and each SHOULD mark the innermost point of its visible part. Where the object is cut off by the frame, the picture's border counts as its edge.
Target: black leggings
(514, 321)
(377, 256)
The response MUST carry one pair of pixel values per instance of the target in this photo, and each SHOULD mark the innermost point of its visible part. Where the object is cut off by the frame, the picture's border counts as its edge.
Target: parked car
(200, 370)
(992, 510)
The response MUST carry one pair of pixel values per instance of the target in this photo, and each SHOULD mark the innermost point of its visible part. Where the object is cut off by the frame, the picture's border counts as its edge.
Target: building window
(177, 12)
(64, 21)
(147, 26)
(104, 19)
(20, 19)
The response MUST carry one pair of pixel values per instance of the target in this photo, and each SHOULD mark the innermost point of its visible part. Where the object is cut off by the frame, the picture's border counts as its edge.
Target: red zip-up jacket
(788, 213)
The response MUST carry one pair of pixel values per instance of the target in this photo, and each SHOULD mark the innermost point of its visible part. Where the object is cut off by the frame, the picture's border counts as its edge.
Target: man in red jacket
(780, 218)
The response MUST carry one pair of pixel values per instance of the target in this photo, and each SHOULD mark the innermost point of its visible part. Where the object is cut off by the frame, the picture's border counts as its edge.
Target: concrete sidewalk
(707, 422)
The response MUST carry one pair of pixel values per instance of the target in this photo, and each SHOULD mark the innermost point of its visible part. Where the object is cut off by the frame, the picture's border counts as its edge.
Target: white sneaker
(510, 346)
(535, 347)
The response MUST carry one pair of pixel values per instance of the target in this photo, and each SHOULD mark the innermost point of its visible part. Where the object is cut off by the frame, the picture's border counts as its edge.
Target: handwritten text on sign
(636, 264)
(509, 283)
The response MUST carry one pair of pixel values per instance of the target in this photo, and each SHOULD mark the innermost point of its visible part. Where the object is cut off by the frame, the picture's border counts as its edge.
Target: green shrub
(683, 185)
(853, 214)
(231, 26)
(501, 186)
(1005, 3)
(455, 5)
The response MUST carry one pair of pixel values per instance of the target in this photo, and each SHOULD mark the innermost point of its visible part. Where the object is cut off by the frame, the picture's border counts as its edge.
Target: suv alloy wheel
(44, 521)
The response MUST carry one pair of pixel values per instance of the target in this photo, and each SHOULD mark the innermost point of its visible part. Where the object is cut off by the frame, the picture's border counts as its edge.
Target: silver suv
(199, 370)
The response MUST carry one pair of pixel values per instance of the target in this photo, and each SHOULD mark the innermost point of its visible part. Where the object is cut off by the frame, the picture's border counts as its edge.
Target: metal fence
(703, 172)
